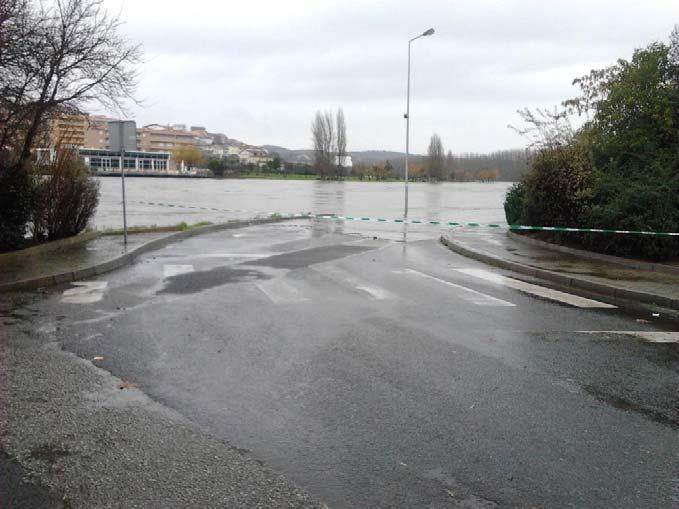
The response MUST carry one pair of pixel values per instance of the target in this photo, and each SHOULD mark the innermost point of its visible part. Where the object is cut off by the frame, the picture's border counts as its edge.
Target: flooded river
(167, 201)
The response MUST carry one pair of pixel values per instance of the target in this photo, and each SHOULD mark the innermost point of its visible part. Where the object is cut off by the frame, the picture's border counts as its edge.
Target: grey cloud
(261, 82)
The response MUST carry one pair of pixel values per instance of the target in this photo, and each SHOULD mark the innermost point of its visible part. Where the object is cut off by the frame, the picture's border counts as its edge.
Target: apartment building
(96, 135)
(159, 138)
(68, 131)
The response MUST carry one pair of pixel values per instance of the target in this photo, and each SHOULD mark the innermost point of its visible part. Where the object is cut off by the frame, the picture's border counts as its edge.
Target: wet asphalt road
(375, 373)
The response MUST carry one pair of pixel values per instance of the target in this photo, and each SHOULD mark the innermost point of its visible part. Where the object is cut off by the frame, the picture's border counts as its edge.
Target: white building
(346, 162)
(254, 155)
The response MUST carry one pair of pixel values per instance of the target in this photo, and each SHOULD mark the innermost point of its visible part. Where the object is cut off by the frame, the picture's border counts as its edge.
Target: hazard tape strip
(432, 222)
(456, 224)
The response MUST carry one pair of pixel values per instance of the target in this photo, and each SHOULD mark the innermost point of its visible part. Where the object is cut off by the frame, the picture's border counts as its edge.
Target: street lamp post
(407, 117)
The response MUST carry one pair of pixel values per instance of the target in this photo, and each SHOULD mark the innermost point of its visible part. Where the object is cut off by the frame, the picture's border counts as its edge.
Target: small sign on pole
(122, 135)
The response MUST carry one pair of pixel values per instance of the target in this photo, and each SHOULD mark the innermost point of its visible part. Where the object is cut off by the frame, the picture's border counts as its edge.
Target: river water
(167, 201)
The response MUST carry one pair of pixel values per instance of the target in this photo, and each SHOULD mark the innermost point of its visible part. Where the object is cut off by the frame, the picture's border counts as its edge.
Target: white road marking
(92, 336)
(347, 279)
(377, 293)
(231, 255)
(650, 336)
(473, 296)
(280, 291)
(175, 270)
(540, 291)
(85, 292)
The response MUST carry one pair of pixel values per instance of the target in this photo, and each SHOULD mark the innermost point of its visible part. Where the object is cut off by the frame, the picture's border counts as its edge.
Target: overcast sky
(257, 70)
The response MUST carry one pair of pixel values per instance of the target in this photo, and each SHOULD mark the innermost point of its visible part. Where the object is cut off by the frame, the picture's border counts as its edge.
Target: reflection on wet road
(377, 373)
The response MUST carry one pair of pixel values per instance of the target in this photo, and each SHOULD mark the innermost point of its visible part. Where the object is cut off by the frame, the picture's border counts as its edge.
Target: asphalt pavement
(373, 372)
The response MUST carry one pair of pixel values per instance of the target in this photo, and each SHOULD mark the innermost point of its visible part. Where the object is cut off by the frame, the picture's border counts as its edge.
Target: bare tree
(450, 165)
(323, 138)
(70, 53)
(435, 158)
(318, 137)
(341, 141)
(546, 129)
(674, 45)
(18, 37)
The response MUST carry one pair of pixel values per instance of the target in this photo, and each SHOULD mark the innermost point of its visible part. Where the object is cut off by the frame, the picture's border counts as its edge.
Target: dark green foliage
(66, 199)
(217, 166)
(16, 200)
(514, 202)
(621, 169)
(556, 187)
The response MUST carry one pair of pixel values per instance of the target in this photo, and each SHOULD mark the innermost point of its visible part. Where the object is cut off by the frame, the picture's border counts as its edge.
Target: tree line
(437, 165)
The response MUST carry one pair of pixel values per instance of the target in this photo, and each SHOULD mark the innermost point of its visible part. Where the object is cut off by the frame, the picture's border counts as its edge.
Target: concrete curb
(129, 257)
(48, 247)
(635, 264)
(619, 296)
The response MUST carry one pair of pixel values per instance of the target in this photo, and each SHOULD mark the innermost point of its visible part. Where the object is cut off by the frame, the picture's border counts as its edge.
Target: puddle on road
(306, 257)
(195, 282)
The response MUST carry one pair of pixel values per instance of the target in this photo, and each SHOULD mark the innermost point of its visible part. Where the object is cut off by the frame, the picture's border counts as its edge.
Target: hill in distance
(361, 156)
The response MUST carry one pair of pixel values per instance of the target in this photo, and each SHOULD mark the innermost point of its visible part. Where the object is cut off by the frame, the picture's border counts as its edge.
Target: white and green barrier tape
(432, 222)
(456, 224)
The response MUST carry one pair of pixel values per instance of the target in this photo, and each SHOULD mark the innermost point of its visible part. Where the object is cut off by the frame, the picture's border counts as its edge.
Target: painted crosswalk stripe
(85, 292)
(473, 296)
(232, 255)
(175, 270)
(540, 291)
(650, 336)
(280, 291)
(374, 292)
(345, 278)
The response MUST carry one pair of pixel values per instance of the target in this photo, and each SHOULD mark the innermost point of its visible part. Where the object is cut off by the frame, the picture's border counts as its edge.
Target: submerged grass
(179, 227)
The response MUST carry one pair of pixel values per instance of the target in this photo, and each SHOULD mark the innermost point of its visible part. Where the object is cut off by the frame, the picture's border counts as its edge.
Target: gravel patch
(73, 429)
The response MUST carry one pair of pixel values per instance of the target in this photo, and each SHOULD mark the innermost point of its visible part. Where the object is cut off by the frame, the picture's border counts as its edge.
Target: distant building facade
(68, 131)
(89, 134)
(159, 138)
(96, 135)
(103, 160)
(254, 155)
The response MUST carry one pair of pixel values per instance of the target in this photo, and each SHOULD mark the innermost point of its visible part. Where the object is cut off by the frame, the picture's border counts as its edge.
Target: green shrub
(66, 198)
(649, 202)
(514, 202)
(16, 200)
(556, 187)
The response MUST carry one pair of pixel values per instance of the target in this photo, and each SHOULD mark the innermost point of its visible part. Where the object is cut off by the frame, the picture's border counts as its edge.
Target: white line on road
(650, 336)
(377, 293)
(540, 291)
(175, 270)
(85, 292)
(231, 255)
(347, 279)
(474, 296)
(280, 291)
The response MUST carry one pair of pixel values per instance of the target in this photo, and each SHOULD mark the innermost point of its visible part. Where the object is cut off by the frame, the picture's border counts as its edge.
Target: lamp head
(429, 32)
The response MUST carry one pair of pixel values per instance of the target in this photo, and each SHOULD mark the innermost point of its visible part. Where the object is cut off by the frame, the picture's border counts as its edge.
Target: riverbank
(279, 176)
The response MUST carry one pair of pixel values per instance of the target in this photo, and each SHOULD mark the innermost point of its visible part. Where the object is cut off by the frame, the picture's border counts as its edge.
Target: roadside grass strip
(422, 222)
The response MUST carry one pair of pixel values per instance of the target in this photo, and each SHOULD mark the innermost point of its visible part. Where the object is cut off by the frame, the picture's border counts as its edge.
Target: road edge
(626, 299)
(130, 256)
(627, 262)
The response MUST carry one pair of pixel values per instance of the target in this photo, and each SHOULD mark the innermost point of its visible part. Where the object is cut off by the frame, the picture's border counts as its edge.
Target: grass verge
(179, 227)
